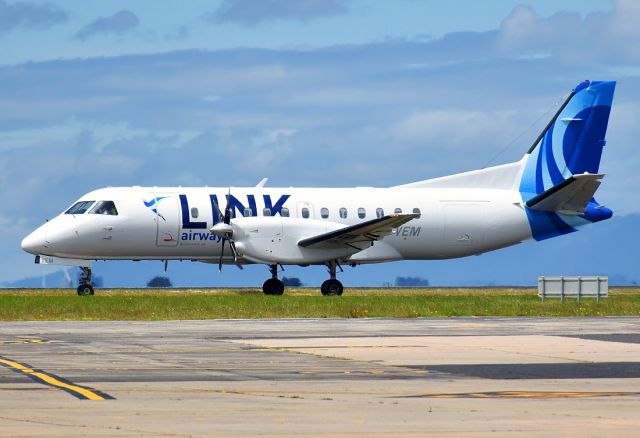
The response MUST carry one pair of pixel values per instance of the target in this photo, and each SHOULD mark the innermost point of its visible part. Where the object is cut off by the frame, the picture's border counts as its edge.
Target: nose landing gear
(333, 285)
(85, 287)
(273, 286)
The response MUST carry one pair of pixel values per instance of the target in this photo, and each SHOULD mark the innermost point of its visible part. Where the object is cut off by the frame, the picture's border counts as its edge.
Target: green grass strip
(50, 305)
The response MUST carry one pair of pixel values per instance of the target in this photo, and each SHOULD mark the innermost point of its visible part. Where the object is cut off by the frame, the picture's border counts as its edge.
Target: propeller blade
(220, 215)
(232, 245)
(228, 210)
(233, 250)
(226, 232)
(221, 255)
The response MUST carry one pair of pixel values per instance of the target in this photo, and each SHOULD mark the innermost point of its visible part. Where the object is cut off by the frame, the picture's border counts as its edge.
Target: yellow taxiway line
(81, 392)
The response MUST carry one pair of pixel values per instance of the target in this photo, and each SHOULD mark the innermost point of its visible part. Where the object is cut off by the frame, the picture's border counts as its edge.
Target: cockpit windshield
(105, 207)
(80, 207)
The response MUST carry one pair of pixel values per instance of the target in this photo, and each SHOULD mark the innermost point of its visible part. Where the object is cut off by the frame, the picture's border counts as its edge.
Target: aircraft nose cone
(34, 243)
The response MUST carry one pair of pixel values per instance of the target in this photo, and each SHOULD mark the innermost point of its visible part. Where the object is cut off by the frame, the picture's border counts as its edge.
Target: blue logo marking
(152, 205)
(192, 230)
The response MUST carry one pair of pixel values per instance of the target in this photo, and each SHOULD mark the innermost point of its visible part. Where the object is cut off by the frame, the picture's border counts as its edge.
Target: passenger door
(167, 220)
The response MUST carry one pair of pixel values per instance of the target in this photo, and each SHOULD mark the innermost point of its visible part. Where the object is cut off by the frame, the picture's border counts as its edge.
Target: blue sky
(52, 32)
(306, 92)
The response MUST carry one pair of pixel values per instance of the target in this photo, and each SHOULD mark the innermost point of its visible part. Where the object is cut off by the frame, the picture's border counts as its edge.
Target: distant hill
(55, 279)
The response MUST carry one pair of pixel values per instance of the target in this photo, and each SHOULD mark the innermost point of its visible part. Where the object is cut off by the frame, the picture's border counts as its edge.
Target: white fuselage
(453, 222)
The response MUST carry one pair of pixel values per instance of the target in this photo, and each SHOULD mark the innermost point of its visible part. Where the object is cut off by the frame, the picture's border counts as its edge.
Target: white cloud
(455, 127)
(252, 12)
(264, 149)
(12, 225)
(350, 96)
(625, 18)
(211, 98)
(93, 135)
(202, 81)
(605, 36)
(620, 160)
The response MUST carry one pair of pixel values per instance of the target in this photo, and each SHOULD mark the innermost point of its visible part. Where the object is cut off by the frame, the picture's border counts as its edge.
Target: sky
(307, 93)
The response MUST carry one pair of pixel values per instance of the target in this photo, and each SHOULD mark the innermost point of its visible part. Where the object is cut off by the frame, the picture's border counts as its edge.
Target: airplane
(547, 193)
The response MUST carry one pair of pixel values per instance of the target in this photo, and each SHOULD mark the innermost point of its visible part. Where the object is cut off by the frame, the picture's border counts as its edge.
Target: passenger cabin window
(397, 211)
(379, 213)
(266, 211)
(305, 213)
(284, 212)
(324, 212)
(194, 212)
(105, 207)
(343, 212)
(80, 207)
(247, 212)
(417, 211)
(361, 213)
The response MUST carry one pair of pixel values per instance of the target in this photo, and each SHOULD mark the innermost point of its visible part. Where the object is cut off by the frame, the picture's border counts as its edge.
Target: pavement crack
(86, 426)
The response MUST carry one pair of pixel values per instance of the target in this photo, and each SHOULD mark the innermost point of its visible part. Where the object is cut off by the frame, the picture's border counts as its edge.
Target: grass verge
(145, 304)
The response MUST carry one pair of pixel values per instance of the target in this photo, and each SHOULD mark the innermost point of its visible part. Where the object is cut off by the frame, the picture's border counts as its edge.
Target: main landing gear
(333, 285)
(85, 287)
(273, 286)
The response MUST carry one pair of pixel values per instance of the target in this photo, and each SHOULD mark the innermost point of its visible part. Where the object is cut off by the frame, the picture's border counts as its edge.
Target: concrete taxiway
(321, 377)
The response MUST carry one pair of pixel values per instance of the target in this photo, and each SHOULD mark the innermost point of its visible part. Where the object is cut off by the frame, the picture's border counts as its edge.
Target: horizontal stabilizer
(571, 196)
(367, 231)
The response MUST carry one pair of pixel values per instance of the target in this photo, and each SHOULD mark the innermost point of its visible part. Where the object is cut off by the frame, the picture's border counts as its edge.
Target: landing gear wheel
(331, 287)
(85, 289)
(273, 286)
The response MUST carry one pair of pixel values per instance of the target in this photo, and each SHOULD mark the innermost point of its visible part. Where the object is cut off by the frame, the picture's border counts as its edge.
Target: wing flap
(367, 231)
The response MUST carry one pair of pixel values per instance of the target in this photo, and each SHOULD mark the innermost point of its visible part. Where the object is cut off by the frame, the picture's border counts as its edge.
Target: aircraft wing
(365, 232)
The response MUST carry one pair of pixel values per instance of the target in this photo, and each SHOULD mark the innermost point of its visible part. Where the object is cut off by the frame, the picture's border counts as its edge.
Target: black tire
(273, 286)
(266, 287)
(332, 287)
(85, 290)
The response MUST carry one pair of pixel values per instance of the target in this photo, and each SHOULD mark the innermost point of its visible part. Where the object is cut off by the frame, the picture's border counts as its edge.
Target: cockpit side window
(105, 207)
(80, 207)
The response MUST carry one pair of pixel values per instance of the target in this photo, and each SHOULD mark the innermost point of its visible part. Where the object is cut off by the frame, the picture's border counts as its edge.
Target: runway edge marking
(40, 376)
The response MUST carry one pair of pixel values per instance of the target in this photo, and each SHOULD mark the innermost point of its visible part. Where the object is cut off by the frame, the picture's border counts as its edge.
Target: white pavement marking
(459, 350)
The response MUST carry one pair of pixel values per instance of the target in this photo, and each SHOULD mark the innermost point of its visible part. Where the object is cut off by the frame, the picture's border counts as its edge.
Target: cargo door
(464, 227)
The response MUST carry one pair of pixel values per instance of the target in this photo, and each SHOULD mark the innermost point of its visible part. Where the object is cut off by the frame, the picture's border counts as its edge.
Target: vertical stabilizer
(571, 144)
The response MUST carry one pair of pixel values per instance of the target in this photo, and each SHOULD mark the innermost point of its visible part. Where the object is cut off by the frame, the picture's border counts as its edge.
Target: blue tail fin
(570, 144)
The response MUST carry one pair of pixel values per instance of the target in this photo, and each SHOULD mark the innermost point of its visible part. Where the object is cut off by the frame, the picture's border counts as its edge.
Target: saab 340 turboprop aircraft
(549, 192)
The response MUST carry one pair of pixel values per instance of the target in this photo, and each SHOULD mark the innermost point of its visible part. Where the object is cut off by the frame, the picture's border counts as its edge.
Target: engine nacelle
(274, 239)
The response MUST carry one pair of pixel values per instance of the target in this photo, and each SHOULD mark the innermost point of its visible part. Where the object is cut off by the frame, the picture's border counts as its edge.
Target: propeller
(224, 230)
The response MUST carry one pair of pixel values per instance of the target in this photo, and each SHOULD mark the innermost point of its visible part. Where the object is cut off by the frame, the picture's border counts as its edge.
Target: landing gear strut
(273, 286)
(333, 285)
(85, 287)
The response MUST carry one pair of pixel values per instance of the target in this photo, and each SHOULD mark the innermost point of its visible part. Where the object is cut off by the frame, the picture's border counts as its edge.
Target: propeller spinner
(224, 230)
